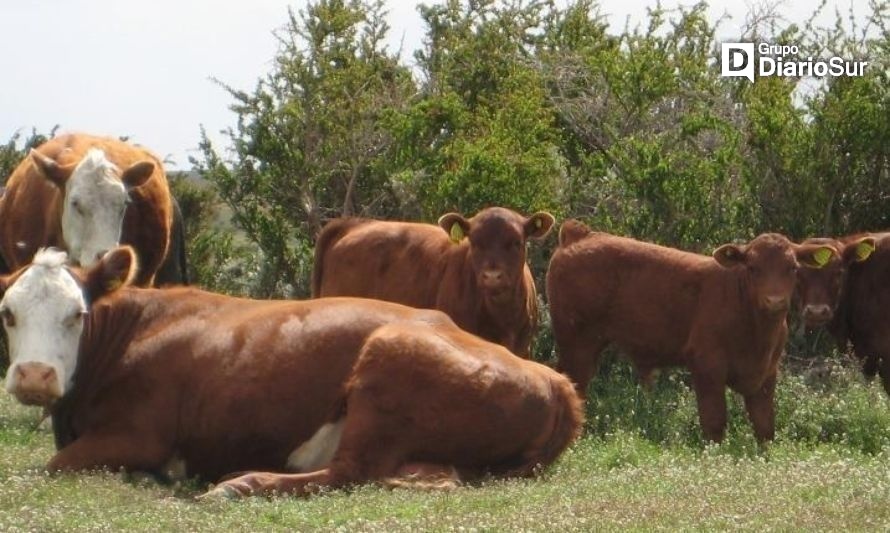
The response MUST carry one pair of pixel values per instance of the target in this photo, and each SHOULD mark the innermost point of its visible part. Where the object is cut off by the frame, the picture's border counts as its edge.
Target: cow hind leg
(367, 450)
(424, 476)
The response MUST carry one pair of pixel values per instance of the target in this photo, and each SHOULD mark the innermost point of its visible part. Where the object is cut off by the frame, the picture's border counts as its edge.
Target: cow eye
(75, 204)
(8, 317)
(75, 318)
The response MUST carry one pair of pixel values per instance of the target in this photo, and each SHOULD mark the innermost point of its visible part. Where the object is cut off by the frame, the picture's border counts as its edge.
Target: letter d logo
(737, 60)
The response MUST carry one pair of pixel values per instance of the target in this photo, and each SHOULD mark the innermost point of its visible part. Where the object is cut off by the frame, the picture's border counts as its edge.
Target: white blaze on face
(43, 314)
(93, 212)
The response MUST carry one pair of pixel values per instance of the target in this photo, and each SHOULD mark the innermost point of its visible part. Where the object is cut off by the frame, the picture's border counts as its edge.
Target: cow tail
(568, 421)
(572, 231)
(332, 232)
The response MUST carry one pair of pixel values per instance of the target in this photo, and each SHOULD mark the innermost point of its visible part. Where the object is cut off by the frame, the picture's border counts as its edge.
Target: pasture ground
(617, 480)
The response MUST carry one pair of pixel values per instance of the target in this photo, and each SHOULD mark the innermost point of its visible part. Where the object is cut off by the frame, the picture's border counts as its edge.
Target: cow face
(769, 264)
(95, 199)
(43, 309)
(819, 287)
(497, 239)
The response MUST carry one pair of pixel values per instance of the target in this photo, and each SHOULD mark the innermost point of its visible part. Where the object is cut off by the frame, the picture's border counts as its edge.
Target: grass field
(821, 481)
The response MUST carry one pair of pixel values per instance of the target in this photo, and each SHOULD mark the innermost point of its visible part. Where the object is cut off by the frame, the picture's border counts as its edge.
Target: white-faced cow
(341, 390)
(87, 194)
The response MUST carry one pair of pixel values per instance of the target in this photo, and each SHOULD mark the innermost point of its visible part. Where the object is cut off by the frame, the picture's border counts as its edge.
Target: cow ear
(730, 255)
(814, 255)
(455, 225)
(859, 250)
(54, 172)
(138, 174)
(538, 225)
(115, 270)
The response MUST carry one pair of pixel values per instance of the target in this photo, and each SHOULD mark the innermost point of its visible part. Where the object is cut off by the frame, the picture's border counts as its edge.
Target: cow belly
(318, 451)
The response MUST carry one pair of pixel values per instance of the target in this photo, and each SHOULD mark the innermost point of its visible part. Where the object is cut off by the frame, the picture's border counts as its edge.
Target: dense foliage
(535, 105)
(538, 105)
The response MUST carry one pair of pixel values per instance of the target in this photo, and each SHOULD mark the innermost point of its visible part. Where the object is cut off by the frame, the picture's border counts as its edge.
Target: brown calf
(482, 281)
(345, 389)
(722, 317)
(859, 300)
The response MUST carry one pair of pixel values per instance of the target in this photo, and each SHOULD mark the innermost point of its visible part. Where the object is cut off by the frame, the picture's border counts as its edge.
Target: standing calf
(853, 297)
(722, 317)
(482, 281)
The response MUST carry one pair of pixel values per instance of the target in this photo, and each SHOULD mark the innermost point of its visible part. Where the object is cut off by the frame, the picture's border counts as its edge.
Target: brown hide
(665, 307)
(435, 396)
(862, 318)
(228, 384)
(31, 208)
(482, 282)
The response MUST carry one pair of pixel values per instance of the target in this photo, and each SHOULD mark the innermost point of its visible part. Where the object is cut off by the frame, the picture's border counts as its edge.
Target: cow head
(497, 238)
(95, 193)
(43, 309)
(819, 288)
(769, 264)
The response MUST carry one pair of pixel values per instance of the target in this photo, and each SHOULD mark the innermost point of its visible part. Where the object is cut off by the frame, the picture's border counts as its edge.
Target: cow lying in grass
(344, 390)
(722, 317)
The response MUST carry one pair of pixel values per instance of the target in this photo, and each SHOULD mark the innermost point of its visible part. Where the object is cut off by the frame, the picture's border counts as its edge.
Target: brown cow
(819, 289)
(482, 282)
(87, 194)
(360, 389)
(860, 300)
(722, 317)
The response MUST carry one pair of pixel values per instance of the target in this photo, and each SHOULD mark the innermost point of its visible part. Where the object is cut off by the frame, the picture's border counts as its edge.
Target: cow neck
(765, 324)
(108, 329)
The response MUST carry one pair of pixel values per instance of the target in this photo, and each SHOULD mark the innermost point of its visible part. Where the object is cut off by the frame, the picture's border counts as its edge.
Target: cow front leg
(270, 483)
(761, 409)
(884, 372)
(115, 451)
(579, 360)
(710, 396)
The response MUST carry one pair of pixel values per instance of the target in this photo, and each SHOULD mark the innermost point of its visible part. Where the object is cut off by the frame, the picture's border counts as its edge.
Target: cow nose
(35, 384)
(775, 303)
(492, 277)
(817, 313)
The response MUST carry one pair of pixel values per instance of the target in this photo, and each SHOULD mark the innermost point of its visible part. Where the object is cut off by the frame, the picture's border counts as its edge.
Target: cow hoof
(221, 492)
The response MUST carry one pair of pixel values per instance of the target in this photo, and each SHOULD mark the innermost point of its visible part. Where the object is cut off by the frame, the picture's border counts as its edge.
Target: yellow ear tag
(538, 223)
(822, 256)
(113, 284)
(457, 233)
(863, 250)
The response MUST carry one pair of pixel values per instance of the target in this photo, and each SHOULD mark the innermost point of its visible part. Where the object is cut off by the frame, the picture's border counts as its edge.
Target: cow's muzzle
(816, 315)
(775, 304)
(35, 384)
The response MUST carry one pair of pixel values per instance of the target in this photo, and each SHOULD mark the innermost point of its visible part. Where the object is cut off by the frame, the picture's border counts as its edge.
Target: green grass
(829, 469)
